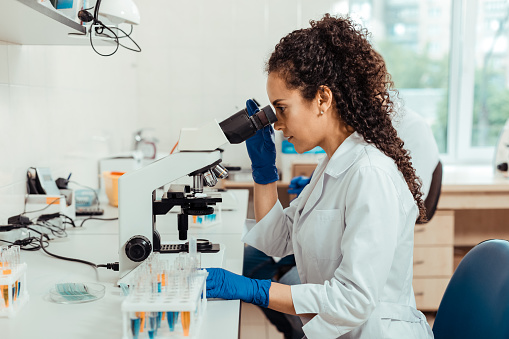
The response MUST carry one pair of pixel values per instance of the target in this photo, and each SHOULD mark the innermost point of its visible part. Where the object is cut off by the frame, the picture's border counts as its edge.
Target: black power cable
(52, 202)
(114, 36)
(95, 218)
(111, 266)
(30, 243)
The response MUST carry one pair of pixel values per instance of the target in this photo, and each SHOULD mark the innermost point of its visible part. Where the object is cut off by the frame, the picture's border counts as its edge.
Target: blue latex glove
(297, 184)
(230, 286)
(262, 151)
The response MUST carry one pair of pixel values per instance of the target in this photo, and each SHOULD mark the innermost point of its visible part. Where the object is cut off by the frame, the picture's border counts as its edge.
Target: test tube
(159, 317)
(152, 324)
(5, 294)
(192, 246)
(135, 324)
(159, 282)
(194, 255)
(16, 262)
(171, 318)
(6, 270)
(186, 322)
(142, 321)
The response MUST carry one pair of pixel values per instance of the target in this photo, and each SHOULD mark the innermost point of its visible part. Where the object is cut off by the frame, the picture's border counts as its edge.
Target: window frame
(461, 85)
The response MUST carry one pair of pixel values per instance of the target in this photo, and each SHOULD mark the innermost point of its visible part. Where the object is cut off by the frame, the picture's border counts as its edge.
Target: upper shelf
(28, 22)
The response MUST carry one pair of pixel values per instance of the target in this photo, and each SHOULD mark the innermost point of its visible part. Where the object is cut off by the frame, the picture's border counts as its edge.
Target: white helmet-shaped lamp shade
(120, 11)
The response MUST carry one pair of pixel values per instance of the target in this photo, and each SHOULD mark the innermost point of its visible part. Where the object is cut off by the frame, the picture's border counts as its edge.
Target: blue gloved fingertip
(252, 107)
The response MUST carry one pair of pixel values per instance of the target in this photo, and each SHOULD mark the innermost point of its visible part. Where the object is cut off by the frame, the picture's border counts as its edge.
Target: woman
(351, 228)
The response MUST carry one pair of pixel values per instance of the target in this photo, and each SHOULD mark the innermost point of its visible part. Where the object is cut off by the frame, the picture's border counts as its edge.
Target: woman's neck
(335, 137)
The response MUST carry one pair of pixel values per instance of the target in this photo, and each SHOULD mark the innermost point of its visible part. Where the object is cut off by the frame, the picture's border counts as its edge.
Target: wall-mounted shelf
(28, 22)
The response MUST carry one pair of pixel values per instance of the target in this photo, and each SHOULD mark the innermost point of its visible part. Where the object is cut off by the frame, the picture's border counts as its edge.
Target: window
(491, 77)
(449, 61)
(404, 32)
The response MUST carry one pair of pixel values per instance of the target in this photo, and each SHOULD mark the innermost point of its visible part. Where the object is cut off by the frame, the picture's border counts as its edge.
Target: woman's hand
(262, 151)
(227, 285)
(297, 184)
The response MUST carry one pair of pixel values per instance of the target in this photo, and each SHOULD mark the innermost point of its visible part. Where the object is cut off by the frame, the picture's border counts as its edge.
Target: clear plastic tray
(74, 293)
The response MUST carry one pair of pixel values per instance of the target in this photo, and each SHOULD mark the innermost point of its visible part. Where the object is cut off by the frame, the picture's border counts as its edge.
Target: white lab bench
(97, 242)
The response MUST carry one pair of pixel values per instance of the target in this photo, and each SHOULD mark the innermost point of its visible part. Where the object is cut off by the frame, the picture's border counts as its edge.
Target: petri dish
(75, 293)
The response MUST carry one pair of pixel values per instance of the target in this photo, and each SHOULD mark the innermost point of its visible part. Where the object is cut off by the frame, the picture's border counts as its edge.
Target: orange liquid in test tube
(186, 322)
(142, 324)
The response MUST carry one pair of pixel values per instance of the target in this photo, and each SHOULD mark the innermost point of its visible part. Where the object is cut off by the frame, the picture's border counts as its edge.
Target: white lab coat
(351, 230)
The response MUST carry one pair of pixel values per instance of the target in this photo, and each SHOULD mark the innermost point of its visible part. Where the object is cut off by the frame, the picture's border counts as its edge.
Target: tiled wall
(64, 106)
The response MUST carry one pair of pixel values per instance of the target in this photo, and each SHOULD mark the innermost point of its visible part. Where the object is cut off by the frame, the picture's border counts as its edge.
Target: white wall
(202, 59)
(62, 107)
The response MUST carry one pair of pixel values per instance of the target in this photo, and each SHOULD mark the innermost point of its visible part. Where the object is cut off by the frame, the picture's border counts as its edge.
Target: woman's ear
(324, 99)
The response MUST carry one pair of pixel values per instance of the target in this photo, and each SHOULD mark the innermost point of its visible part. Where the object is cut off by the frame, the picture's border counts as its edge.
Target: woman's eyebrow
(277, 101)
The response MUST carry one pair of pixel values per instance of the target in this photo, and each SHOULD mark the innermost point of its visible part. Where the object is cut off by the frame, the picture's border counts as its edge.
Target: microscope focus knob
(138, 248)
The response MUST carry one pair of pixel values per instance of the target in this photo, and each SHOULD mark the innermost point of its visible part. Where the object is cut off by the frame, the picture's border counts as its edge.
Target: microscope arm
(135, 196)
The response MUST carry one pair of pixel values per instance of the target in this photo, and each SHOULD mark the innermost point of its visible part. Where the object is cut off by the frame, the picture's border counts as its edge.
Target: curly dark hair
(335, 52)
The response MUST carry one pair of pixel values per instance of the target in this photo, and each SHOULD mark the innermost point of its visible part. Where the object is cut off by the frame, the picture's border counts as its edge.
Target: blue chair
(476, 301)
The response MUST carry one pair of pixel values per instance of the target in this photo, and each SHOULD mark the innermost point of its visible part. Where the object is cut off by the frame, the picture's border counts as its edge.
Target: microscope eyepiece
(240, 126)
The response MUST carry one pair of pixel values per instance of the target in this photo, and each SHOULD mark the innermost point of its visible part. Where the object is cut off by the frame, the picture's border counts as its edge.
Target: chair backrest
(435, 188)
(476, 301)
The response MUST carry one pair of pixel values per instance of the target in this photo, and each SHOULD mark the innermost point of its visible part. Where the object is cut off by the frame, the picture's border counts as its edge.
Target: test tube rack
(174, 306)
(13, 291)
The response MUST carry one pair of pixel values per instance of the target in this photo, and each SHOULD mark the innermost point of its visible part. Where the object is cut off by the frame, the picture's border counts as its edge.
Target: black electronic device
(40, 181)
(85, 15)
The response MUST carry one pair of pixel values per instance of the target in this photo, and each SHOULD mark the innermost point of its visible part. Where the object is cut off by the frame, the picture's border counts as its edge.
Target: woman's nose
(278, 125)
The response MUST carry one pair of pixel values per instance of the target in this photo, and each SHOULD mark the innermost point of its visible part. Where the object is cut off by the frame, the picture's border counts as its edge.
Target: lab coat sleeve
(272, 234)
(372, 214)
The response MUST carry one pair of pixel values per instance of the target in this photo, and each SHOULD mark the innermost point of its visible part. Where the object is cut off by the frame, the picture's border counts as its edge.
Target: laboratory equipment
(76, 292)
(145, 143)
(120, 11)
(198, 158)
(40, 181)
(85, 198)
(207, 220)
(111, 186)
(13, 291)
(51, 204)
(166, 297)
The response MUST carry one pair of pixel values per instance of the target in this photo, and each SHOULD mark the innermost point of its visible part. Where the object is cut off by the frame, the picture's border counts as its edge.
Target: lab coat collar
(340, 161)
(345, 155)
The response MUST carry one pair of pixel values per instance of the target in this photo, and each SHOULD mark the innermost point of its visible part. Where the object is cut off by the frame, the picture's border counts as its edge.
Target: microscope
(198, 157)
